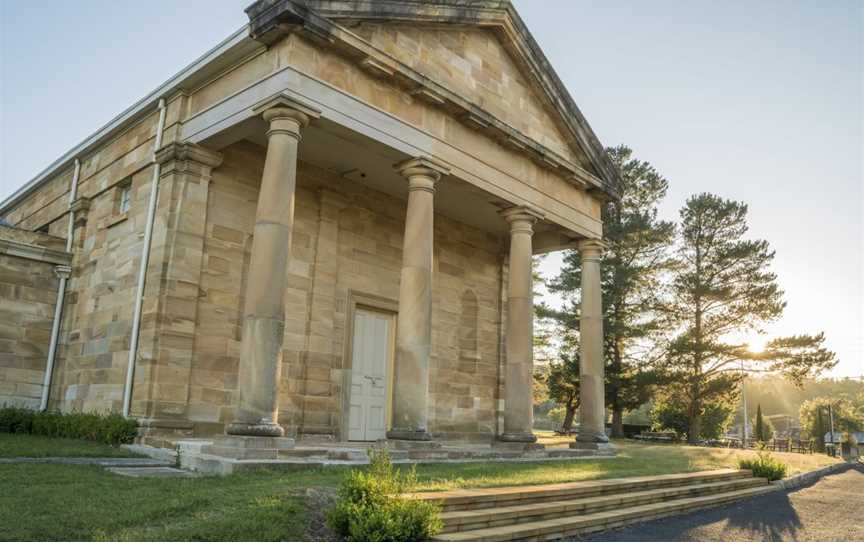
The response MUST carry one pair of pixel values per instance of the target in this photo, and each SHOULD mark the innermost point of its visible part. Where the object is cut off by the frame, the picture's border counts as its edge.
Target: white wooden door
(369, 379)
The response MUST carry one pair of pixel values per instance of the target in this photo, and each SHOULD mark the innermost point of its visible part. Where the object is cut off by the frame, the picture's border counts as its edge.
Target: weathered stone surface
(349, 241)
(28, 293)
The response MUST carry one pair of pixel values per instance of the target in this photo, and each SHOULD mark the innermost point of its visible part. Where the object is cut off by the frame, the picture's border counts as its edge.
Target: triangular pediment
(472, 63)
(480, 50)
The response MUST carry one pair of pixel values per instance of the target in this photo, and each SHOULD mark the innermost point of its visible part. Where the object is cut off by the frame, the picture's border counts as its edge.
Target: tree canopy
(637, 253)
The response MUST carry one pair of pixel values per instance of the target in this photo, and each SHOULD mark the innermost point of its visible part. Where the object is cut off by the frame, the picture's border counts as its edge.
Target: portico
(354, 259)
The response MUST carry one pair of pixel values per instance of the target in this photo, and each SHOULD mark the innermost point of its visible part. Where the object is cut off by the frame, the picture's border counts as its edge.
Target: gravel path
(831, 509)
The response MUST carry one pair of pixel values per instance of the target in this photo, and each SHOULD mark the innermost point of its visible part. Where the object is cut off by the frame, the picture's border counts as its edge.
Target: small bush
(765, 466)
(371, 506)
(111, 429)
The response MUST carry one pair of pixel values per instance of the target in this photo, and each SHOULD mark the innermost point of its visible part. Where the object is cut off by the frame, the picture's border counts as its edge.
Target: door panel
(371, 351)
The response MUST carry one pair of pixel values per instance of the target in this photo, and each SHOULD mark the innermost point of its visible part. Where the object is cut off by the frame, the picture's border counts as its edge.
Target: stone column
(264, 313)
(592, 406)
(518, 377)
(414, 326)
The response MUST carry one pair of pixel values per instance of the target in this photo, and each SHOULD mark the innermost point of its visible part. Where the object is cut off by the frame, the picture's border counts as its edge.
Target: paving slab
(152, 472)
(98, 461)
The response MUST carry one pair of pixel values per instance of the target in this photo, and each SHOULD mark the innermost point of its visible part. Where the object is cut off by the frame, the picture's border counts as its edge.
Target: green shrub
(371, 506)
(764, 466)
(112, 429)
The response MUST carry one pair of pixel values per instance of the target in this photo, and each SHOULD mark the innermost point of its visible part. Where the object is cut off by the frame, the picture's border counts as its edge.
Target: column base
(518, 437)
(407, 434)
(594, 446)
(163, 433)
(590, 440)
(262, 429)
(517, 446)
(591, 436)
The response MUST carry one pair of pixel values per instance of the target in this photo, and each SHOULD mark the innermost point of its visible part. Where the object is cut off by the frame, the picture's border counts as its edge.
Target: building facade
(324, 228)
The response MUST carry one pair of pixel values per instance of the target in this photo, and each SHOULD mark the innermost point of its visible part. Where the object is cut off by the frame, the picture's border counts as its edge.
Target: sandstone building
(321, 228)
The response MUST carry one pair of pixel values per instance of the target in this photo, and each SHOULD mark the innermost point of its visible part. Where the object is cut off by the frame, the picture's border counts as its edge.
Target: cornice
(272, 20)
(33, 252)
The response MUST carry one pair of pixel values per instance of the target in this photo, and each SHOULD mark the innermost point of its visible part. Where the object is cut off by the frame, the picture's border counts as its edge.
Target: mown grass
(58, 502)
(632, 459)
(20, 445)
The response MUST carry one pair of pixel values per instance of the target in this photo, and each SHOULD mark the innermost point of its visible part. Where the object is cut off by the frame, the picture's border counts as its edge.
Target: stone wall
(98, 314)
(347, 242)
(28, 293)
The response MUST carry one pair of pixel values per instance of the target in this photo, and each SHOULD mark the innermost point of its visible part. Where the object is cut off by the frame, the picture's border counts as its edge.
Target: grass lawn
(58, 502)
(14, 445)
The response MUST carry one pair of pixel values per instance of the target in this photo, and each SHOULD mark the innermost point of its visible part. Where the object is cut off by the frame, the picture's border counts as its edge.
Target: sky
(755, 101)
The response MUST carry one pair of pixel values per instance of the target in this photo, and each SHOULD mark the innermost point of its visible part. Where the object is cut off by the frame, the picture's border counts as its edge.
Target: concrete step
(553, 529)
(478, 499)
(511, 515)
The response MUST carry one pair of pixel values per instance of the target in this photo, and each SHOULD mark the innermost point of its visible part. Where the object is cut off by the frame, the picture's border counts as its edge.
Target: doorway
(372, 349)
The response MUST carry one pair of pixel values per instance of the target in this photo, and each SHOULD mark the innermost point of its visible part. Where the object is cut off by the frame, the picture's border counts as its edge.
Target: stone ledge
(33, 252)
(198, 456)
(799, 480)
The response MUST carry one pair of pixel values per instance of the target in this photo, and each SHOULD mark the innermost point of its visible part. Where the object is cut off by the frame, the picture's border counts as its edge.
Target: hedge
(111, 429)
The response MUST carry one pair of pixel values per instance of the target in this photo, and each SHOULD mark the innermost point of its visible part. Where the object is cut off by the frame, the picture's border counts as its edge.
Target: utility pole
(831, 421)
(744, 403)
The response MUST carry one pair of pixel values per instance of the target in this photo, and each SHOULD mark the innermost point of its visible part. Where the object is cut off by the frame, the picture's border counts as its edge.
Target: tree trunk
(617, 423)
(569, 415)
(694, 427)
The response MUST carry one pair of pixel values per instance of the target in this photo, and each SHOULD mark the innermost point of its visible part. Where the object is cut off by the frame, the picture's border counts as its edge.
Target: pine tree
(562, 382)
(637, 254)
(818, 432)
(721, 286)
(760, 425)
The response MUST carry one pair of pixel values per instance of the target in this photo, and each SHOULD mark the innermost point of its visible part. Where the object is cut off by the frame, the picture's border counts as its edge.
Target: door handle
(374, 379)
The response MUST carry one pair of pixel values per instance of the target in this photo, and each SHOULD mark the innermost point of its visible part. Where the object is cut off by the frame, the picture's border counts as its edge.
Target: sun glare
(757, 344)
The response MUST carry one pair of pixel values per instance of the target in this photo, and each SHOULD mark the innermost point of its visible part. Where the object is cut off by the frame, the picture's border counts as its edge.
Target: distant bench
(656, 436)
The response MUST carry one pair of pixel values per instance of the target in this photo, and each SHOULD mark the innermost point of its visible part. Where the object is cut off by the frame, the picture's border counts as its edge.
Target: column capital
(284, 106)
(80, 207)
(422, 172)
(592, 248)
(522, 218)
(62, 271)
(188, 152)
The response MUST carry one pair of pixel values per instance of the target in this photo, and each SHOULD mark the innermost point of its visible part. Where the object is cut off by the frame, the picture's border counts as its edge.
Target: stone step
(553, 529)
(328, 454)
(477, 499)
(526, 513)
